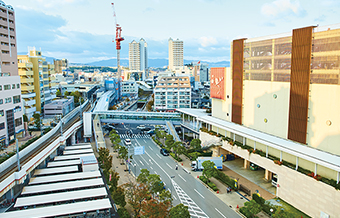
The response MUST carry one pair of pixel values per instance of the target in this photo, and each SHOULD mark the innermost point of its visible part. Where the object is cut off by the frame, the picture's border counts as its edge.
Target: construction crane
(118, 39)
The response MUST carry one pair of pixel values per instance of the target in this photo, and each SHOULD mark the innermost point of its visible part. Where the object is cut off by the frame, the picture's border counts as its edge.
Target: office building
(45, 86)
(60, 65)
(175, 54)
(129, 88)
(60, 106)
(277, 107)
(172, 92)
(138, 55)
(11, 112)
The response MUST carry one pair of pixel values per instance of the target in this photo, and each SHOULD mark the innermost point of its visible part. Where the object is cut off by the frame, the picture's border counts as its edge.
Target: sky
(82, 30)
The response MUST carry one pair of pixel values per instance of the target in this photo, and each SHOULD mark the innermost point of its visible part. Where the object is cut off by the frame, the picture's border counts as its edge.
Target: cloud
(283, 8)
(207, 41)
(269, 24)
(149, 9)
(321, 18)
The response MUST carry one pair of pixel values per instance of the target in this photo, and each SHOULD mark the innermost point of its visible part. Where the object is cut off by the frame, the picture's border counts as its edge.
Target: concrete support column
(244, 141)
(281, 156)
(268, 175)
(234, 136)
(73, 138)
(254, 145)
(217, 130)
(225, 133)
(246, 164)
(316, 169)
(297, 163)
(338, 178)
(267, 151)
(183, 132)
(197, 125)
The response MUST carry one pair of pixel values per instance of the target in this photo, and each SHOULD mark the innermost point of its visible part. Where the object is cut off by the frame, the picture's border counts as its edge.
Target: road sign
(139, 150)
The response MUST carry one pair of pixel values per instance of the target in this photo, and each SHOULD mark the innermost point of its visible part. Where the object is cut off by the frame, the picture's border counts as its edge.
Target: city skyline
(82, 30)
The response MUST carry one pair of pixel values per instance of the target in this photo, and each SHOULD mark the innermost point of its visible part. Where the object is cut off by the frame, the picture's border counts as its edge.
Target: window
(8, 100)
(2, 113)
(7, 87)
(13, 86)
(18, 86)
(0, 87)
(18, 122)
(1, 101)
(16, 99)
(2, 126)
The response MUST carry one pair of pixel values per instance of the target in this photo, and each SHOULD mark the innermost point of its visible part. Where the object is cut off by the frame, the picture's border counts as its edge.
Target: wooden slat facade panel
(299, 84)
(238, 46)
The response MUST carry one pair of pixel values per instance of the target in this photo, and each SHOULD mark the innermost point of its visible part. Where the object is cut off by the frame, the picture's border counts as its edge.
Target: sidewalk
(21, 141)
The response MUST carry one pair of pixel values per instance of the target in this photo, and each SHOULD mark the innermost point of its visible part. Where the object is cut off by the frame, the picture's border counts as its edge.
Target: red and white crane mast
(118, 39)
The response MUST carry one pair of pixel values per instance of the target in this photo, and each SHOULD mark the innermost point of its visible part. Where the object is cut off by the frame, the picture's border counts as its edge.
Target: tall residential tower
(175, 54)
(138, 55)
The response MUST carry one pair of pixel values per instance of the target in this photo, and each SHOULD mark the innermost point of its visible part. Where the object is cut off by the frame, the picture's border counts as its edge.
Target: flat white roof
(314, 155)
(81, 151)
(59, 210)
(61, 186)
(55, 170)
(64, 177)
(78, 147)
(70, 157)
(88, 160)
(63, 163)
(58, 197)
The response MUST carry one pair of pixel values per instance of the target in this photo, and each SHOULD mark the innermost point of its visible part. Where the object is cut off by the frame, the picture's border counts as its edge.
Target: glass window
(8, 100)
(2, 113)
(0, 87)
(13, 86)
(1, 101)
(2, 125)
(18, 86)
(18, 122)
(16, 99)
(7, 87)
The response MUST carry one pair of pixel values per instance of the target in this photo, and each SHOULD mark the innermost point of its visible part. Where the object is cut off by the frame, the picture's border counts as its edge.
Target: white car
(127, 142)
(141, 127)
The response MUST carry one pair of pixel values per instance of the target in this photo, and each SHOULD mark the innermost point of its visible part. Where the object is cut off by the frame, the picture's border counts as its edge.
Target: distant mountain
(48, 59)
(153, 63)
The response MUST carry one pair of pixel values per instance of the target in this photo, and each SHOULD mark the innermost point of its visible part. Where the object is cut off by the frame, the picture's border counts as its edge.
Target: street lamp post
(172, 186)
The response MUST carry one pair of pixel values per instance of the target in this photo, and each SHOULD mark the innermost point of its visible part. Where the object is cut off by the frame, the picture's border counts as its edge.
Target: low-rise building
(60, 106)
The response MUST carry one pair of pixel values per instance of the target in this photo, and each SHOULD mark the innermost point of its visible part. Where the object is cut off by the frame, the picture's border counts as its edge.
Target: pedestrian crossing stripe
(139, 136)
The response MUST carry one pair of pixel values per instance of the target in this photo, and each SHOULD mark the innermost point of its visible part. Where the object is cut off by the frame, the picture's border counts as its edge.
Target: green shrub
(212, 186)
(245, 211)
(226, 179)
(204, 179)
(258, 199)
(176, 158)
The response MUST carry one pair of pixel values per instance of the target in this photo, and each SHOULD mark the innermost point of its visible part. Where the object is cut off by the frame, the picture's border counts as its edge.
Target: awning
(19, 131)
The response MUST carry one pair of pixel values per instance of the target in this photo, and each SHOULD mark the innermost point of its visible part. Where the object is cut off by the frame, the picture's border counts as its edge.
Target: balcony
(27, 88)
(28, 95)
(25, 65)
(26, 80)
(30, 111)
(25, 72)
(29, 103)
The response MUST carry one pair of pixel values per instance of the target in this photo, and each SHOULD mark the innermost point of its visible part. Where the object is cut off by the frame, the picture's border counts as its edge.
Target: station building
(277, 106)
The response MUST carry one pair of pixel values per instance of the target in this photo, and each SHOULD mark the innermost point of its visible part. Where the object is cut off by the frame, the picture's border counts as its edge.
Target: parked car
(141, 127)
(164, 152)
(127, 142)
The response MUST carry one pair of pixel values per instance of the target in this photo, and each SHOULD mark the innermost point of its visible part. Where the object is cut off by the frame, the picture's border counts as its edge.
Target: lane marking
(182, 178)
(199, 194)
(169, 166)
(158, 156)
(144, 160)
(141, 162)
(144, 140)
(151, 148)
(151, 168)
(220, 213)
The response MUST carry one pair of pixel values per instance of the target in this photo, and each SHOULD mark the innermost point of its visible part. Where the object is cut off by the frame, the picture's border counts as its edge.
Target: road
(187, 190)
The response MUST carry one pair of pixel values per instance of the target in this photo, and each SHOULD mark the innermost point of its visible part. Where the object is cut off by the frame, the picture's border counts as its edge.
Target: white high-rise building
(138, 56)
(175, 54)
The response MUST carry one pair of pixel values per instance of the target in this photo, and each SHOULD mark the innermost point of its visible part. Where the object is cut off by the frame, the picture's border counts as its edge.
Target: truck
(197, 165)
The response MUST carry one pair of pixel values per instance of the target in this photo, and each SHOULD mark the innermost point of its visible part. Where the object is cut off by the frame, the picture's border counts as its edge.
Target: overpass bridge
(36, 153)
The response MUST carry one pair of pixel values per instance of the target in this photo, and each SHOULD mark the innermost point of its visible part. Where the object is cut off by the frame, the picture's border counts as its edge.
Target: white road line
(182, 178)
(156, 172)
(144, 160)
(158, 165)
(141, 162)
(151, 148)
(144, 140)
(169, 166)
(150, 161)
(158, 156)
(199, 194)
(151, 168)
(220, 213)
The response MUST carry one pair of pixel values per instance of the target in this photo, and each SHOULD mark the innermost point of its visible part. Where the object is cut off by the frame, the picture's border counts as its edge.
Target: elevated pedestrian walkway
(172, 131)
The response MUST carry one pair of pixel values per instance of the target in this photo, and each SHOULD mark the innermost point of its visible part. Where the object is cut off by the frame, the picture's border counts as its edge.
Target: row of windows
(8, 86)
(16, 99)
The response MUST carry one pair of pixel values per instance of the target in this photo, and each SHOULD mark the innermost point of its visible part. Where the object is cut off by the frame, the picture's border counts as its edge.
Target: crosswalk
(194, 210)
(138, 136)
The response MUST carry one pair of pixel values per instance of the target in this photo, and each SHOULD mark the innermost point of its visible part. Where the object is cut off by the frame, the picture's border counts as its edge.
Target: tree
(123, 213)
(115, 139)
(105, 161)
(113, 182)
(118, 196)
(58, 93)
(154, 208)
(123, 153)
(280, 213)
(143, 176)
(155, 184)
(252, 207)
(209, 169)
(127, 99)
(135, 195)
(169, 142)
(66, 93)
(178, 148)
(180, 211)
(196, 144)
(37, 123)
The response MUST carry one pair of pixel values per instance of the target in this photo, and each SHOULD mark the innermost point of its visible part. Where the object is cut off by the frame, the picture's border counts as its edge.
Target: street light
(135, 165)
(271, 211)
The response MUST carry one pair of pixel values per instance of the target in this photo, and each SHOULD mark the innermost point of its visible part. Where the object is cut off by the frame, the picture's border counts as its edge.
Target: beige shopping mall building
(281, 96)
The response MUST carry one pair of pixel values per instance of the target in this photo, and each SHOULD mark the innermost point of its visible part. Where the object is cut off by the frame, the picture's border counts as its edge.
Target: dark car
(164, 152)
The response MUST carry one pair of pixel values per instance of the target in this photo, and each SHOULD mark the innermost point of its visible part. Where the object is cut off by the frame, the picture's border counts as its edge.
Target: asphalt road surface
(185, 188)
